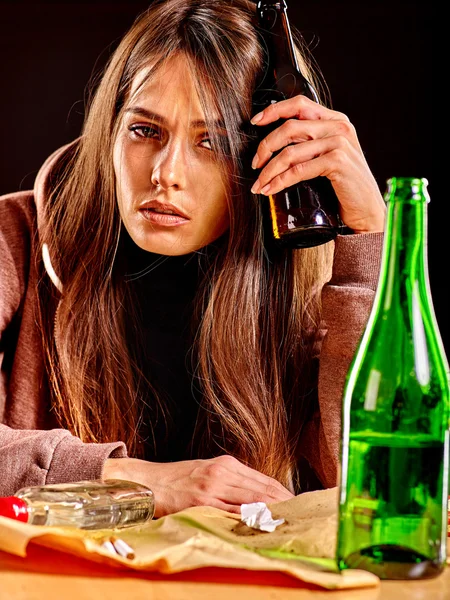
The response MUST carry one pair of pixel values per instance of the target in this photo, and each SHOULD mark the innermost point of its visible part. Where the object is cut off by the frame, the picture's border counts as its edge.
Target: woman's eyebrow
(143, 112)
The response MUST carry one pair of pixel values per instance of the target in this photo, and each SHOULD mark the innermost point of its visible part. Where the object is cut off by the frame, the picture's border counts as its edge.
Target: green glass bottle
(395, 422)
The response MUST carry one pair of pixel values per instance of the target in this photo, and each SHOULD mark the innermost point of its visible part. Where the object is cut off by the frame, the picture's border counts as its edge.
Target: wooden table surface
(50, 575)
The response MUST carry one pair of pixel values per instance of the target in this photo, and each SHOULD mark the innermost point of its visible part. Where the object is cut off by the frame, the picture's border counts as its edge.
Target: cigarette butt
(108, 545)
(122, 547)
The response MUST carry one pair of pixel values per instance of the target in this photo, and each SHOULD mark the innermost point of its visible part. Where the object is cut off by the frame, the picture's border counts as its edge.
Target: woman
(146, 333)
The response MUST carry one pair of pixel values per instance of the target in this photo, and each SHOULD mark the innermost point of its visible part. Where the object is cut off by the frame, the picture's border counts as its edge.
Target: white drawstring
(49, 268)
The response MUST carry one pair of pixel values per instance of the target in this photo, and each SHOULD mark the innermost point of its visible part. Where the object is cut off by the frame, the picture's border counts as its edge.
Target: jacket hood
(46, 179)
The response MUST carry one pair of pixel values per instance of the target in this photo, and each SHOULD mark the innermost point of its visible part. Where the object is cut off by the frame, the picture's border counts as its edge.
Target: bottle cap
(14, 508)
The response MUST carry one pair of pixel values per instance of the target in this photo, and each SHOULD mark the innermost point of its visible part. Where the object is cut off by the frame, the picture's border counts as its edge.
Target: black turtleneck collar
(162, 291)
(141, 263)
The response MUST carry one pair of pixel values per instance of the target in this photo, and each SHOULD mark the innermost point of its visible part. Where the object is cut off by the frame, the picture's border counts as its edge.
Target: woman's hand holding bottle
(317, 141)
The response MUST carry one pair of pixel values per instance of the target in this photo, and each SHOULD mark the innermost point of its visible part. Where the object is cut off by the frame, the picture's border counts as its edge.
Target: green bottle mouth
(407, 189)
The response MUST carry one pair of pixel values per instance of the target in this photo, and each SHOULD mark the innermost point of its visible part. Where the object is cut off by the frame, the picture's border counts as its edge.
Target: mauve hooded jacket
(35, 450)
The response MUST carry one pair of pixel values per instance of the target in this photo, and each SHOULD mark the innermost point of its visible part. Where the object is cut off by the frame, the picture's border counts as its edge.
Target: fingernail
(257, 118)
(265, 189)
(255, 188)
(255, 161)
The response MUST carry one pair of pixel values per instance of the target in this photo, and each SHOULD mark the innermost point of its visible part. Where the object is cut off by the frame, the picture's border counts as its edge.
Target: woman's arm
(222, 482)
(32, 451)
(346, 304)
(316, 141)
(37, 457)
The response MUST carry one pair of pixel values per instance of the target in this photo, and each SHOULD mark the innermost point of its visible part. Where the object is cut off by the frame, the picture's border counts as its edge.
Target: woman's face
(164, 164)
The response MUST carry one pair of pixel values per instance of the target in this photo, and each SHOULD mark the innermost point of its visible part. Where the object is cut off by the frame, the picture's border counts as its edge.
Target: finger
(254, 480)
(299, 107)
(294, 132)
(231, 508)
(244, 494)
(232, 471)
(260, 492)
(296, 158)
(301, 171)
(270, 490)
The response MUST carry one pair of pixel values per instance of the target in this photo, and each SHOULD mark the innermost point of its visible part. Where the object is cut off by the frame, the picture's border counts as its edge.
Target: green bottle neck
(404, 266)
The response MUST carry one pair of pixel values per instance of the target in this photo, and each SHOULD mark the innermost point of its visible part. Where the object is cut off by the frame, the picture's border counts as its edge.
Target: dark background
(376, 59)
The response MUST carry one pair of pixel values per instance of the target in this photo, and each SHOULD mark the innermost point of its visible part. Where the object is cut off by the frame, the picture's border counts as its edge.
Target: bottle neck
(282, 74)
(404, 266)
(276, 32)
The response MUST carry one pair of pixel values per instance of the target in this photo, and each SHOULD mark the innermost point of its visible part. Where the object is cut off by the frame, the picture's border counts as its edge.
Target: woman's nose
(169, 170)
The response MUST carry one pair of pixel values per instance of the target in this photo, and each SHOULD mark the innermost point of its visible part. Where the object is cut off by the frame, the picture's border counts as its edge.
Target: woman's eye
(144, 131)
(148, 132)
(207, 140)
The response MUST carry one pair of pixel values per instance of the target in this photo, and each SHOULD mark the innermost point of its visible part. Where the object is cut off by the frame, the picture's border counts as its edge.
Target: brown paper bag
(302, 547)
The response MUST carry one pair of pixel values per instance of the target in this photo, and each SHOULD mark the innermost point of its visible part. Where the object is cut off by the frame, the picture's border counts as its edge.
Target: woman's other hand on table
(222, 482)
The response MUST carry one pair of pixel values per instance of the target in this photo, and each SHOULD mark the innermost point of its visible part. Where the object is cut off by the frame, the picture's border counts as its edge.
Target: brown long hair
(255, 310)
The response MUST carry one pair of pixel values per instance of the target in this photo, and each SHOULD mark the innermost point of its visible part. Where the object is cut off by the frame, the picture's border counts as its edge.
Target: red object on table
(14, 508)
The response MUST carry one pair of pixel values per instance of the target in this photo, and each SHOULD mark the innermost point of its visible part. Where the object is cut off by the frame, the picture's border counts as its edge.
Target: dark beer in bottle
(305, 214)
(395, 434)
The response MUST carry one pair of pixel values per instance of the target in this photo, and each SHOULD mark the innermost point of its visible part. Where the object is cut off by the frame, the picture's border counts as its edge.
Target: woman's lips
(166, 220)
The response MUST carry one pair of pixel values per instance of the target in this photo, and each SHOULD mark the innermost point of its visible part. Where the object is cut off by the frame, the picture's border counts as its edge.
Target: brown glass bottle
(305, 214)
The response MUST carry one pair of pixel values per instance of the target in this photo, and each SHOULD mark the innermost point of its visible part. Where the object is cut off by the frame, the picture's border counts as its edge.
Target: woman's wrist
(374, 226)
(129, 469)
(114, 468)
(373, 223)
(370, 229)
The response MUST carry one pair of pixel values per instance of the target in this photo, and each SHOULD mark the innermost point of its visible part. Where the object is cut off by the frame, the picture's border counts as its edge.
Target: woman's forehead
(170, 81)
(156, 74)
